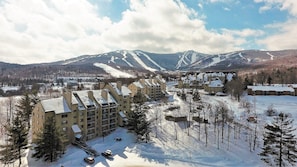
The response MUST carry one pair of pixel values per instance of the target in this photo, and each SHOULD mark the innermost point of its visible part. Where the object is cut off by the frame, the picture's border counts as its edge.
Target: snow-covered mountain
(129, 62)
(188, 60)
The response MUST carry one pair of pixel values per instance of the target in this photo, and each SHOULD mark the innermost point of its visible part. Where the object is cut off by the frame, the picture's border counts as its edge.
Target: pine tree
(25, 106)
(137, 121)
(279, 148)
(196, 96)
(17, 141)
(49, 143)
(138, 98)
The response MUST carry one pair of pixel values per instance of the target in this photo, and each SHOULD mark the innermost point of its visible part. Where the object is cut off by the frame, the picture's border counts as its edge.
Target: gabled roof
(101, 100)
(138, 84)
(114, 86)
(215, 84)
(159, 77)
(83, 99)
(125, 91)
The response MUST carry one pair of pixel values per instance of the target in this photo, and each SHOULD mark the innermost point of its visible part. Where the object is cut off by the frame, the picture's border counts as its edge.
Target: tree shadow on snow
(152, 153)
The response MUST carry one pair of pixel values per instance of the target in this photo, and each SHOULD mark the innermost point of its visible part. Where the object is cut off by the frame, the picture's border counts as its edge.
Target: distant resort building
(278, 90)
(152, 88)
(211, 82)
(214, 86)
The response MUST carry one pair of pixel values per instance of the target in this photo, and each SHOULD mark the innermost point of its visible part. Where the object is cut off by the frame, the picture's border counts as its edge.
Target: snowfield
(173, 144)
(113, 72)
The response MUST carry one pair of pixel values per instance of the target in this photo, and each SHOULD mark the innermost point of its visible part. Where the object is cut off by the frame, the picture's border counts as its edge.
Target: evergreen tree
(138, 98)
(25, 107)
(279, 147)
(138, 122)
(49, 143)
(16, 142)
(196, 96)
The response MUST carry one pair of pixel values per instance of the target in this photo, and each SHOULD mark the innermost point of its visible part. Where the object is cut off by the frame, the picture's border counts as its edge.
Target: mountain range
(184, 61)
(188, 60)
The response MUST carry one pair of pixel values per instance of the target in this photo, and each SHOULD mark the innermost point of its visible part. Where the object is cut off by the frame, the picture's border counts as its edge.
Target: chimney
(119, 85)
(101, 85)
(104, 93)
(68, 97)
(90, 94)
(141, 81)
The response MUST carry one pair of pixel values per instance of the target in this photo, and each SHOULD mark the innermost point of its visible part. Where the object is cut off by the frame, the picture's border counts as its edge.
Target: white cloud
(244, 33)
(285, 33)
(42, 31)
(285, 38)
(289, 5)
(226, 9)
(222, 1)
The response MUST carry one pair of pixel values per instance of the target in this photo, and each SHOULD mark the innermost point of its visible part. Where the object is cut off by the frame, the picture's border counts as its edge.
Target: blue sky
(43, 31)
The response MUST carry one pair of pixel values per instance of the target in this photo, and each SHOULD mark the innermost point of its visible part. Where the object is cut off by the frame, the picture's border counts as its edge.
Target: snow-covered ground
(173, 144)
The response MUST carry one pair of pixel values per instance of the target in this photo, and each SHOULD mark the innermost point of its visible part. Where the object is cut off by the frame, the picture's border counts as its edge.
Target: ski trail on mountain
(125, 59)
(135, 57)
(151, 60)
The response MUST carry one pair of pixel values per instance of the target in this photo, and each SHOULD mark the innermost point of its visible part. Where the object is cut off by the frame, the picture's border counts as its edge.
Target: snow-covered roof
(147, 82)
(58, 105)
(215, 83)
(101, 100)
(75, 129)
(138, 84)
(83, 96)
(121, 113)
(192, 77)
(216, 74)
(73, 99)
(294, 85)
(126, 91)
(230, 76)
(10, 88)
(271, 88)
(114, 85)
(160, 78)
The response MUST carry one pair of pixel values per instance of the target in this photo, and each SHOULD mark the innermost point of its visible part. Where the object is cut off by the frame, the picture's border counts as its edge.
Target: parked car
(107, 154)
(118, 139)
(89, 160)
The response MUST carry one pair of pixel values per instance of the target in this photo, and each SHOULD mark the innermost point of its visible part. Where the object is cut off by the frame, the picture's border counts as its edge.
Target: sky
(33, 31)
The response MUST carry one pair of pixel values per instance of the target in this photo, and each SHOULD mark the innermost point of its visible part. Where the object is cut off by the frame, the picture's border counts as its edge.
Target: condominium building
(123, 96)
(152, 88)
(81, 115)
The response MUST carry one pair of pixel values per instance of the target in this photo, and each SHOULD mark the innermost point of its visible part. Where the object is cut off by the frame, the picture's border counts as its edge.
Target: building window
(64, 129)
(64, 115)
(64, 122)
